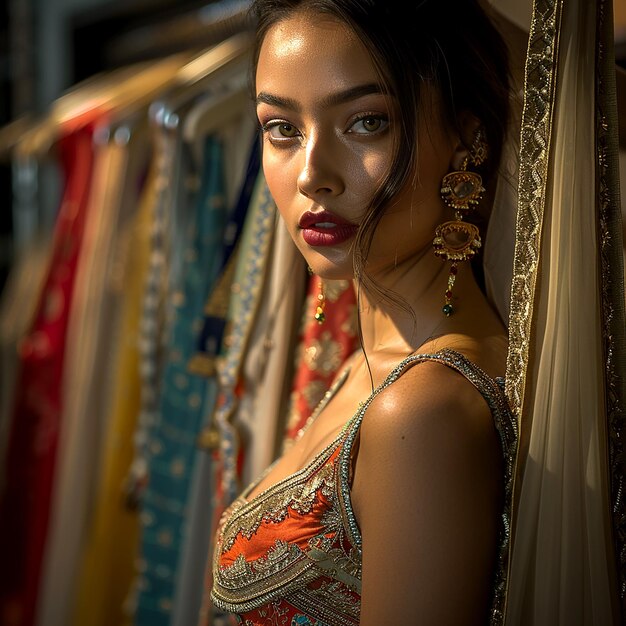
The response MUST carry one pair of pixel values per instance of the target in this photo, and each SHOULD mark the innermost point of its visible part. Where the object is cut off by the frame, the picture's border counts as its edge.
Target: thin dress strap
(492, 391)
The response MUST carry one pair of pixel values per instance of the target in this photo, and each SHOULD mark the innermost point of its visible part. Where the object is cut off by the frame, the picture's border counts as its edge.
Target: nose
(321, 170)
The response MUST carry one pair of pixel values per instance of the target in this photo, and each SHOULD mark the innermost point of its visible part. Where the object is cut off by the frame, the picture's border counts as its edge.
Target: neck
(404, 308)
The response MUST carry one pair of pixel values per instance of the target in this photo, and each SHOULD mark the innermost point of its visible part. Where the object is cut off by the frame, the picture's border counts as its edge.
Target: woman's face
(327, 146)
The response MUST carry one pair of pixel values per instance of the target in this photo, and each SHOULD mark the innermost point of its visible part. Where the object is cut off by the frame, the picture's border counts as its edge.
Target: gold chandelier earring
(457, 241)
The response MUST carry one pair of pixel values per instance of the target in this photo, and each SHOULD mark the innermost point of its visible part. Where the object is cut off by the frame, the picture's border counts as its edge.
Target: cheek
(281, 179)
(408, 226)
(373, 167)
(366, 175)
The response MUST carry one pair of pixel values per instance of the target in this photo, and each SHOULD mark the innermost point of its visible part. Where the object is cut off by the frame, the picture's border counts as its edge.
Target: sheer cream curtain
(565, 374)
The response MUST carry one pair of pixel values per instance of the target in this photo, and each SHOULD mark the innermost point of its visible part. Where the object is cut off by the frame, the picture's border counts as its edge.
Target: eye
(279, 130)
(369, 124)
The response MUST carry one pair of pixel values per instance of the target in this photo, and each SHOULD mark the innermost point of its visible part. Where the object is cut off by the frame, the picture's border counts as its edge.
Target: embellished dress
(292, 554)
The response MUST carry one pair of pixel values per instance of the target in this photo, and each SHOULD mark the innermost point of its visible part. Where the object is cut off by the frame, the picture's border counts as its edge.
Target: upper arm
(425, 494)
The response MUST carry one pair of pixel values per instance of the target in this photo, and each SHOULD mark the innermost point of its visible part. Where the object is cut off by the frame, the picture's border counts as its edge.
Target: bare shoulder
(432, 416)
(429, 396)
(427, 475)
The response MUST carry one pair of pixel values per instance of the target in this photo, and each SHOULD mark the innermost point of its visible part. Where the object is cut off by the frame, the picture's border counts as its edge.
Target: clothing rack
(128, 123)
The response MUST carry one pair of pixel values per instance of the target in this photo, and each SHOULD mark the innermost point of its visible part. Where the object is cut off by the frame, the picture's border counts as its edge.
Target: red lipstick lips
(325, 229)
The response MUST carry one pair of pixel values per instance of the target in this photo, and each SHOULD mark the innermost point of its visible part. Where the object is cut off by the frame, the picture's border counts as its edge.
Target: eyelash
(268, 126)
(371, 116)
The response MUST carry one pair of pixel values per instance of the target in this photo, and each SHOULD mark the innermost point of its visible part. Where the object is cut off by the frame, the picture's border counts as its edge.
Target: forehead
(316, 51)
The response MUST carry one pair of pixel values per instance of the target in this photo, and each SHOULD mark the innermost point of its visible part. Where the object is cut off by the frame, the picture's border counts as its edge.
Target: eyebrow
(333, 99)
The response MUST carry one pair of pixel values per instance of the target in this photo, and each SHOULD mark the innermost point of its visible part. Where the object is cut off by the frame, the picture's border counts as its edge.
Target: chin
(330, 263)
(330, 270)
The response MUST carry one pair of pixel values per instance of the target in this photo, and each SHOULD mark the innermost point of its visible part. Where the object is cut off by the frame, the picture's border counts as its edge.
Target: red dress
(38, 404)
(292, 554)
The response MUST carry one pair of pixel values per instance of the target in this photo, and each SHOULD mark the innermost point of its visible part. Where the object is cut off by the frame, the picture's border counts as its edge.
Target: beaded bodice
(292, 554)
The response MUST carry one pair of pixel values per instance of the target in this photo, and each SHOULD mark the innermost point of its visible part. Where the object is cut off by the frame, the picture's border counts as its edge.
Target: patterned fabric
(267, 370)
(249, 274)
(210, 338)
(322, 350)
(198, 537)
(38, 410)
(154, 315)
(180, 411)
(293, 552)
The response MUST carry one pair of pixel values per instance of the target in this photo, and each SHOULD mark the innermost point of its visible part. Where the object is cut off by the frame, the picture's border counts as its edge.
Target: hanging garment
(107, 569)
(38, 409)
(268, 368)
(197, 540)
(203, 362)
(247, 296)
(17, 309)
(154, 317)
(92, 325)
(305, 528)
(173, 440)
(250, 272)
(322, 350)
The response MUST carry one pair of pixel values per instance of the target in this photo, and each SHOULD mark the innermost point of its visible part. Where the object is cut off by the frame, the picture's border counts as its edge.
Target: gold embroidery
(334, 562)
(612, 279)
(334, 289)
(351, 323)
(313, 392)
(330, 602)
(246, 573)
(275, 614)
(245, 586)
(536, 128)
(273, 506)
(332, 523)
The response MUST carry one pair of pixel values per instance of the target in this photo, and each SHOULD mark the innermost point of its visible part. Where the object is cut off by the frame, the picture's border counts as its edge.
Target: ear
(468, 125)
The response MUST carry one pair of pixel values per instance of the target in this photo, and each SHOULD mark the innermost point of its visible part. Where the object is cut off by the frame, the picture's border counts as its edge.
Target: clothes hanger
(115, 93)
(27, 133)
(215, 110)
(130, 87)
(219, 63)
(130, 106)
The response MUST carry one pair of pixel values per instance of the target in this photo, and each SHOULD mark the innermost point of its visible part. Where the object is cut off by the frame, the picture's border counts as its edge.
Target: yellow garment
(108, 568)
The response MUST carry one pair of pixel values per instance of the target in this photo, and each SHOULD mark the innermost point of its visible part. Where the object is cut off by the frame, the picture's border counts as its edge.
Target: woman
(381, 124)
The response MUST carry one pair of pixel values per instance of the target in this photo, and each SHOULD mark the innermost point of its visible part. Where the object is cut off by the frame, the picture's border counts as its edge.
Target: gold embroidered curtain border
(534, 155)
(612, 278)
(535, 135)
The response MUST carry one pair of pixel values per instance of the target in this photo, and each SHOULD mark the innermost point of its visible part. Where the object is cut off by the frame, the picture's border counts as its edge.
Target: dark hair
(449, 44)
